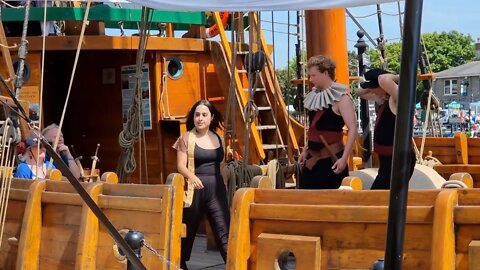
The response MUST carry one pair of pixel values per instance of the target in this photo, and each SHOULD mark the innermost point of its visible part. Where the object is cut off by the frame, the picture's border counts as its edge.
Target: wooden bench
(337, 229)
(467, 228)
(60, 232)
(19, 191)
(457, 154)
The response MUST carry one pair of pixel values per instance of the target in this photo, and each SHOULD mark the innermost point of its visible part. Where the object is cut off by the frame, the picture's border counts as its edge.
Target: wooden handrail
(238, 84)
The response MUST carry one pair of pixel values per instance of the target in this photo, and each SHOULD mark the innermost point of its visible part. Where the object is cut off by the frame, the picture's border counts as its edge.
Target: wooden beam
(69, 43)
(6, 57)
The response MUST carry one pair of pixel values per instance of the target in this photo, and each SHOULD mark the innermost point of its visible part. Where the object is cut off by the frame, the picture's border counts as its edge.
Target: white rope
(42, 72)
(8, 179)
(11, 6)
(15, 45)
(77, 54)
(164, 94)
(430, 92)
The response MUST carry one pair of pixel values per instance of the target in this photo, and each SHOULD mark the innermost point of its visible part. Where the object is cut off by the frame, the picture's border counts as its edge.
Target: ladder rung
(264, 127)
(272, 146)
(242, 52)
(242, 71)
(266, 108)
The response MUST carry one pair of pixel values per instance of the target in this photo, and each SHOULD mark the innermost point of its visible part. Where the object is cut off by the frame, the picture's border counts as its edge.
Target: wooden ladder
(271, 127)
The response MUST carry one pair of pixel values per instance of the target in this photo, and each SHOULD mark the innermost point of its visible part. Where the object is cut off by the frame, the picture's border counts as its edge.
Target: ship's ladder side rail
(239, 90)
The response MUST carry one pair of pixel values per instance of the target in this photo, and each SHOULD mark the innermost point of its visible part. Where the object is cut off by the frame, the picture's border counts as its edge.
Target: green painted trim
(103, 13)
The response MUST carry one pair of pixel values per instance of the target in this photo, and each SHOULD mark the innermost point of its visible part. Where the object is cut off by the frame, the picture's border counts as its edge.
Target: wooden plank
(435, 141)
(136, 190)
(341, 197)
(7, 58)
(346, 235)
(336, 213)
(69, 43)
(467, 214)
(454, 168)
(17, 194)
(474, 255)
(131, 203)
(62, 198)
(60, 215)
(306, 250)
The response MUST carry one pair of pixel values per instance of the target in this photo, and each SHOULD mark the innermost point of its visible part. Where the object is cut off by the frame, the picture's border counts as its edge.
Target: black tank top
(330, 121)
(207, 161)
(384, 125)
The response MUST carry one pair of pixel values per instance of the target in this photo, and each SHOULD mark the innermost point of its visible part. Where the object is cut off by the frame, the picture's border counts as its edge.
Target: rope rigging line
(280, 23)
(275, 117)
(288, 82)
(6, 168)
(22, 52)
(75, 63)
(133, 129)
(430, 93)
(11, 6)
(42, 69)
(230, 127)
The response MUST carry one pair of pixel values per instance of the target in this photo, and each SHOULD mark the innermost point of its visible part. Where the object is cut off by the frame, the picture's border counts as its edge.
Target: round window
(174, 68)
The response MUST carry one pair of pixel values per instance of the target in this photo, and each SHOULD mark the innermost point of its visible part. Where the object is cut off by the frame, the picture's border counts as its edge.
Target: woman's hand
(196, 182)
(339, 165)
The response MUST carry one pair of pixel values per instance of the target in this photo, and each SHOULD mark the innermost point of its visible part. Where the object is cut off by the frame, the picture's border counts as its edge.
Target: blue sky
(438, 16)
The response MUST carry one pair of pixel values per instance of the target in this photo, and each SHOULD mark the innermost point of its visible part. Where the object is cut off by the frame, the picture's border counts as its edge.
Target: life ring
(213, 30)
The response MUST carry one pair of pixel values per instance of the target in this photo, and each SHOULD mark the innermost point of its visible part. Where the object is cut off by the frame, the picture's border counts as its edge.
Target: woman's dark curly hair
(217, 118)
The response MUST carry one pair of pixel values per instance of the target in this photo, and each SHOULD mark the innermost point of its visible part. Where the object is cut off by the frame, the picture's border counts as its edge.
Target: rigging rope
(42, 69)
(430, 93)
(7, 160)
(77, 55)
(230, 127)
(133, 129)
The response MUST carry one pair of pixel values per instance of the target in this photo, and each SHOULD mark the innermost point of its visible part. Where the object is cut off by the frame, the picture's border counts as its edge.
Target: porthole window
(26, 70)
(174, 68)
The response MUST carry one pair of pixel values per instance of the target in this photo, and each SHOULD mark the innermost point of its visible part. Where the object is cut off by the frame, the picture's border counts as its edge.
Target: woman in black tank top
(207, 176)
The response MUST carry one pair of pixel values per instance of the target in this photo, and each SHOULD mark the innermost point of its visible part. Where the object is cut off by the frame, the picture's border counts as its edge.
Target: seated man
(50, 133)
(35, 165)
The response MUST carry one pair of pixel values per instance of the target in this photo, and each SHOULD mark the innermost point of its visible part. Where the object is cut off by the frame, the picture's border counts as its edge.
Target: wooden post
(29, 244)
(86, 258)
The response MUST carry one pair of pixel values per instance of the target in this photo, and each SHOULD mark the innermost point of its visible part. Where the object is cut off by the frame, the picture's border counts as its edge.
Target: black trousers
(212, 202)
(321, 176)
(382, 181)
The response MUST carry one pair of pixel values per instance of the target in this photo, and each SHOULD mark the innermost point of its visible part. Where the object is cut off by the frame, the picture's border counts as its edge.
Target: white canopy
(252, 5)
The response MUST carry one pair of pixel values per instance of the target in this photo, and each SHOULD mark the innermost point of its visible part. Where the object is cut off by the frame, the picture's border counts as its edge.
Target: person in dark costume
(200, 159)
(382, 87)
(324, 160)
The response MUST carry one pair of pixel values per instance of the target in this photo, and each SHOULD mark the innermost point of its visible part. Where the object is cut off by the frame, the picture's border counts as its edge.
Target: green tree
(285, 75)
(444, 50)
